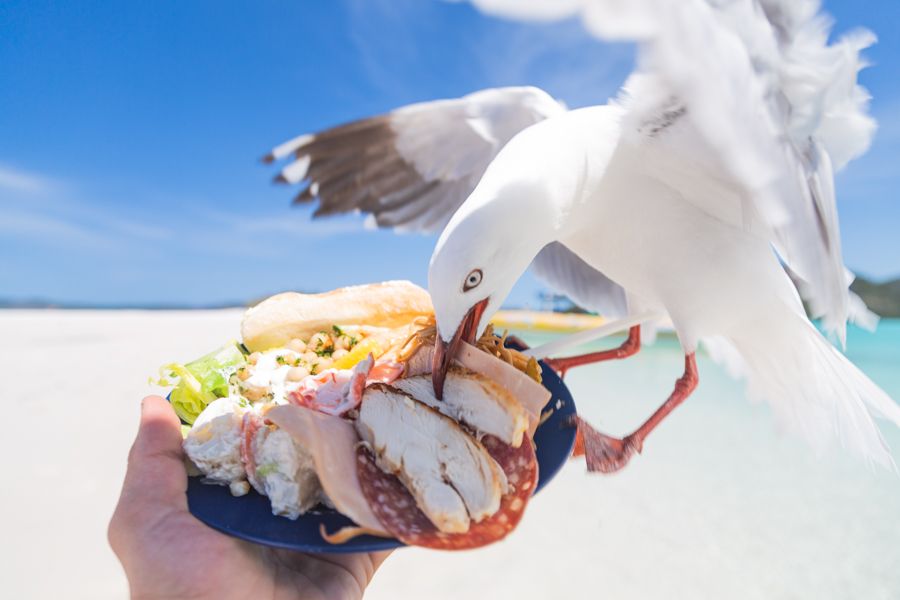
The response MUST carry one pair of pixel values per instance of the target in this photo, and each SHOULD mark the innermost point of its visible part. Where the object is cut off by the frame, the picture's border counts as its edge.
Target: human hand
(167, 553)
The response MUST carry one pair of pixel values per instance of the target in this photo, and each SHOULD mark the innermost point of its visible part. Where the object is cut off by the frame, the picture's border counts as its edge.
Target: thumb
(156, 474)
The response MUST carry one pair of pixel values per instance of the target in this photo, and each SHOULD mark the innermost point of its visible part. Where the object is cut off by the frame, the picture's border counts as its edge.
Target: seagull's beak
(445, 352)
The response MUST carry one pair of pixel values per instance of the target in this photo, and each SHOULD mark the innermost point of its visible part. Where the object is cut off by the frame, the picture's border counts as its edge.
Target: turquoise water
(719, 495)
(876, 353)
(621, 394)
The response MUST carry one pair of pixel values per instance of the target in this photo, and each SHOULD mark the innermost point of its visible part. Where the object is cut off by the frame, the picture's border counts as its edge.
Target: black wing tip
(324, 210)
(304, 197)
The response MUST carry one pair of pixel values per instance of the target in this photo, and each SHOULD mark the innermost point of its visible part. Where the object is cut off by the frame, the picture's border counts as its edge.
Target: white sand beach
(718, 506)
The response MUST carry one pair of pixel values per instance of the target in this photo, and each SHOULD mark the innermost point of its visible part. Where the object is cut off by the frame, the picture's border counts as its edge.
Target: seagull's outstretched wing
(563, 270)
(411, 168)
(751, 94)
(769, 108)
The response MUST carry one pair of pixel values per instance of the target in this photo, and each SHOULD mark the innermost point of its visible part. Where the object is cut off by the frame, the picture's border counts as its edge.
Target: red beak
(445, 352)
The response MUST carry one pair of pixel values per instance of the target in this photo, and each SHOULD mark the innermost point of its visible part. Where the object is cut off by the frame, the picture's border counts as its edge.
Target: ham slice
(334, 391)
(332, 442)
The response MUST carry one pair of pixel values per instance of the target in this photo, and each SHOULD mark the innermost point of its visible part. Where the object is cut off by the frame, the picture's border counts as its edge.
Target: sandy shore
(718, 506)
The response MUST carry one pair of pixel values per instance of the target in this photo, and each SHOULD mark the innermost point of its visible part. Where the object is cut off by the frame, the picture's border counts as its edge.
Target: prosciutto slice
(334, 391)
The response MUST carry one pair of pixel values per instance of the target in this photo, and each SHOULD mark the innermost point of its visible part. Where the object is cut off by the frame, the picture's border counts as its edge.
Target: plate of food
(320, 431)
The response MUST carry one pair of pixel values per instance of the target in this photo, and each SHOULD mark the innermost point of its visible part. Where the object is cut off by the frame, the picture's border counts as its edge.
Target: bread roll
(283, 317)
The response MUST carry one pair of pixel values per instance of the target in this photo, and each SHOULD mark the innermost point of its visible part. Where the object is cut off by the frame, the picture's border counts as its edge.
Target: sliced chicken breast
(448, 472)
(472, 399)
(531, 395)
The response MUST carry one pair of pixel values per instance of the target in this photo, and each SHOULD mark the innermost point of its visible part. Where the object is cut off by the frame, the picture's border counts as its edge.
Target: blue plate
(250, 517)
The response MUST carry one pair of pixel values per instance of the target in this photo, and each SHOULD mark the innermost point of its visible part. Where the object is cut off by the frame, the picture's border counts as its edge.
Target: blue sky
(130, 135)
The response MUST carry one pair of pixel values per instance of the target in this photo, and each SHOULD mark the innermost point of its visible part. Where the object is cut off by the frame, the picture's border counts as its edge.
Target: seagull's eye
(472, 280)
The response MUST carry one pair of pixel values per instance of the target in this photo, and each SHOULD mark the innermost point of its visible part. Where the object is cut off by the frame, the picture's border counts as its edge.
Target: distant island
(882, 298)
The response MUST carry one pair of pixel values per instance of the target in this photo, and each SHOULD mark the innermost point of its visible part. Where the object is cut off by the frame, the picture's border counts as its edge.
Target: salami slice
(397, 510)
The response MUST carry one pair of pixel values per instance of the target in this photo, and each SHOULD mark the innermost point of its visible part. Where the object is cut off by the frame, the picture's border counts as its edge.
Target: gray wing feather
(412, 168)
(566, 272)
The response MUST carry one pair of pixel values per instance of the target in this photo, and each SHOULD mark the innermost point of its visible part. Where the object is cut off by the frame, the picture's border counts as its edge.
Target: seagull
(703, 194)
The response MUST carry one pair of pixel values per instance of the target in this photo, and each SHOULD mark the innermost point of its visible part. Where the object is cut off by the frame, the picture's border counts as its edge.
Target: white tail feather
(813, 389)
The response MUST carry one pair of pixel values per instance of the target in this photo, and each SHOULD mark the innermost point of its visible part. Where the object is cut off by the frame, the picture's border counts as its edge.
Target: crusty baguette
(276, 320)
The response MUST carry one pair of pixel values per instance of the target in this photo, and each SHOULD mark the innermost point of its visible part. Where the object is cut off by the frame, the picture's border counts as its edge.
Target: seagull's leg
(628, 348)
(607, 454)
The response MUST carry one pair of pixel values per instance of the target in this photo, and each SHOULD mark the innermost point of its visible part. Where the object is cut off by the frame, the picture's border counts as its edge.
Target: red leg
(607, 454)
(628, 348)
(578, 448)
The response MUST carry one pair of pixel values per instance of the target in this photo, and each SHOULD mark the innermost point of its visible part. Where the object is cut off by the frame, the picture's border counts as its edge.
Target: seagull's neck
(522, 214)
(531, 197)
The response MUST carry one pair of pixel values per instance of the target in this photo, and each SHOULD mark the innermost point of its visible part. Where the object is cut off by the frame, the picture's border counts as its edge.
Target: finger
(377, 559)
(156, 474)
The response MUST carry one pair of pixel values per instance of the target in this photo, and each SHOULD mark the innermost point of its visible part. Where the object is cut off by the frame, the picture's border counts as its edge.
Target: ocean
(721, 504)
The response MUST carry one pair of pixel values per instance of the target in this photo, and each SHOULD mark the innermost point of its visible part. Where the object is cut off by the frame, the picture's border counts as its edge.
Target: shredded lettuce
(200, 382)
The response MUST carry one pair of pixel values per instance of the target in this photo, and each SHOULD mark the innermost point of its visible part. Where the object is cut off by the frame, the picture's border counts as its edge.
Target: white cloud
(386, 42)
(134, 227)
(297, 224)
(39, 208)
(35, 209)
(17, 180)
(560, 57)
(48, 228)
(211, 230)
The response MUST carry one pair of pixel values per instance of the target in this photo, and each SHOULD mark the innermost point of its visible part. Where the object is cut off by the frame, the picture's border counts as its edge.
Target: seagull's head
(478, 259)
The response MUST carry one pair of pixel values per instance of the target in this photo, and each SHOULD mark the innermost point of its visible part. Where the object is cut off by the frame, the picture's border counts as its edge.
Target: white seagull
(692, 195)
